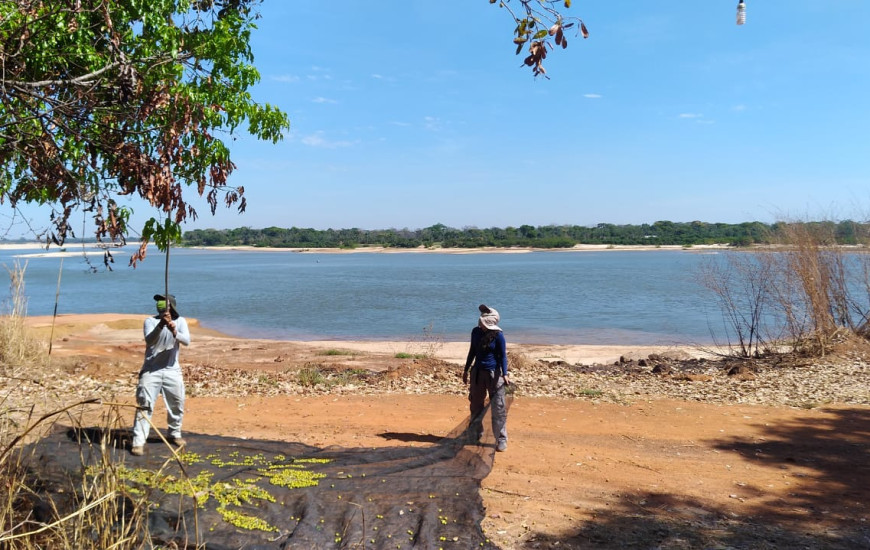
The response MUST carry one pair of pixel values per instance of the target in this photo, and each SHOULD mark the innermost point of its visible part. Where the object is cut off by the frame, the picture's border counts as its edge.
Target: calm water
(607, 297)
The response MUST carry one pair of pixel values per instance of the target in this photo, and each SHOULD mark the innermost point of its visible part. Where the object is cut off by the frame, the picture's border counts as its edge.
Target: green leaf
(168, 81)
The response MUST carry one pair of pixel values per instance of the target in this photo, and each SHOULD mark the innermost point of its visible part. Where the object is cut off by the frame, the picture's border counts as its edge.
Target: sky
(407, 114)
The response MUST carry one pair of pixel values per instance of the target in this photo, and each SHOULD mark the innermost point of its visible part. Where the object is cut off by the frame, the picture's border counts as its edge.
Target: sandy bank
(482, 250)
(78, 248)
(126, 328)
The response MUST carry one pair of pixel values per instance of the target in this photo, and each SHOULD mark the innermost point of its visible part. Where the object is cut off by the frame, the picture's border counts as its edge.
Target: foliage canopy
(105, 98)
(660, 233)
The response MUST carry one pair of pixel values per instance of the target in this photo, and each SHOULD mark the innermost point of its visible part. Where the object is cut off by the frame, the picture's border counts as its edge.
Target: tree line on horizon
(660, 233)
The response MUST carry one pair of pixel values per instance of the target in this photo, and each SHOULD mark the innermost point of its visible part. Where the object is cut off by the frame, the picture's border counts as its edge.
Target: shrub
(310, 376)
(806, 292)
(332, 352)
(404, 355)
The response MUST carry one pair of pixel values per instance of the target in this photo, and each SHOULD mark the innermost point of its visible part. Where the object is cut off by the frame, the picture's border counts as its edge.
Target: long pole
(166, 279)
(56, 298)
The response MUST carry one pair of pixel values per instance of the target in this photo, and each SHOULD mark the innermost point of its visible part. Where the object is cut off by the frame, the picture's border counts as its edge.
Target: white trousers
(170, 383)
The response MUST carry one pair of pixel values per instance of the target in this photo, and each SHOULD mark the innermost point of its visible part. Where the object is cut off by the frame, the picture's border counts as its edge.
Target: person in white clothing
(161, 373)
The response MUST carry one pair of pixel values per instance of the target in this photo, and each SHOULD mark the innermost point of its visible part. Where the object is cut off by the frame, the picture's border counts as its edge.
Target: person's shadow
(411, 437)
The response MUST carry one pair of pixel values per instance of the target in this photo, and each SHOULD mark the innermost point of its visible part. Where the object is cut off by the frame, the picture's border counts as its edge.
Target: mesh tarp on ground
(256, 494)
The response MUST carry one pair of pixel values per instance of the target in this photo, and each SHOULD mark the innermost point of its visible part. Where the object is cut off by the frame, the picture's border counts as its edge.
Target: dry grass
(18, 348)
(806, 292)
(426, 345)
(95, 513)
(94, 509)
(519, 361)
(819, 287)
(98, 512)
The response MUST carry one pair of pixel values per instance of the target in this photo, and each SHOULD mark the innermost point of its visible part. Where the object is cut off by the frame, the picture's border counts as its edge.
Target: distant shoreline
(77, 249)
(480, 250)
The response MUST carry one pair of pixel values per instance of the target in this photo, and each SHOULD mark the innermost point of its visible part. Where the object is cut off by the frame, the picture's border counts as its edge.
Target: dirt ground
(655, 472)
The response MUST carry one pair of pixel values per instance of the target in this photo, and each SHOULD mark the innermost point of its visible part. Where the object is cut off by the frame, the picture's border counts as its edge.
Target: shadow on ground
(827, 466)
(276, 495)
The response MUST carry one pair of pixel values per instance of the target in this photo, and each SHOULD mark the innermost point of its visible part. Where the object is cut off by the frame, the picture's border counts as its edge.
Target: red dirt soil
(656, 473)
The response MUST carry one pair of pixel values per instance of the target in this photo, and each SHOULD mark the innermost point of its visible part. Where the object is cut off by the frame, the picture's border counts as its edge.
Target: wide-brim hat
(489, 318)
(172, 304)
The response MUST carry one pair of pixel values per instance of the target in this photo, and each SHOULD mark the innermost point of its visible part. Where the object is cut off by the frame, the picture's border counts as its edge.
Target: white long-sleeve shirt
(161, 347)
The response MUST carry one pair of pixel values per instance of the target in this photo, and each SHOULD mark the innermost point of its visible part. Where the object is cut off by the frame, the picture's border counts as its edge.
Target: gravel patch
(778, 381)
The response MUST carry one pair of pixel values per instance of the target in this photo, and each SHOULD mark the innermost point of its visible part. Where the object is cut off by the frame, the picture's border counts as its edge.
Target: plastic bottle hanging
(741, 12)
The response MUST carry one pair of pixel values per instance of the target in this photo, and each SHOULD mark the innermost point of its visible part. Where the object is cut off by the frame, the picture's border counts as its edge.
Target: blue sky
(407, 114)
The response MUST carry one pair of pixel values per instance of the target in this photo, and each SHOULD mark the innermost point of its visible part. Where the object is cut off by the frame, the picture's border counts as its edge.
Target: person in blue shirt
(161, 373)
(486, 372)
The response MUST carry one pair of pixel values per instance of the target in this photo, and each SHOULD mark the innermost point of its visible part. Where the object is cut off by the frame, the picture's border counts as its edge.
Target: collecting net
(225, 493)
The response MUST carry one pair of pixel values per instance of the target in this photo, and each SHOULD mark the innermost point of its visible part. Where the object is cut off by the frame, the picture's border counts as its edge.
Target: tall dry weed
(742, 285)
(863, 328)
(98, 513)
(807, 291)
(428, 344)
(22, 360)
(18, 349)
(91, 511)
(518, 361)
(823, 288)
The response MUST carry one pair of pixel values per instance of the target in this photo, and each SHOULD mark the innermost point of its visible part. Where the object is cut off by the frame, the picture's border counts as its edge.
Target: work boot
(177, 441)
(137, 450)
(502, 446)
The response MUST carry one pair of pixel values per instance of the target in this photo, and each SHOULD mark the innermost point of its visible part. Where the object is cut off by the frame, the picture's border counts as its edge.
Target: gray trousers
(169, 382)
(483, 383)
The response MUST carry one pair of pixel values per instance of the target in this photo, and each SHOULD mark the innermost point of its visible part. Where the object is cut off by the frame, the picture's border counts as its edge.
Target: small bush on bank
(310, 376)
(805, 293)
